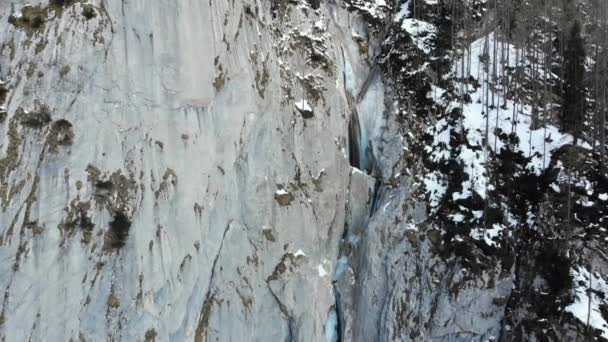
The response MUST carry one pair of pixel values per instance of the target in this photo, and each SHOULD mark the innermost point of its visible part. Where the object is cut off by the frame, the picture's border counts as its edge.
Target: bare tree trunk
(516, 91)
(462, 95)
(494, 82)
(596, 85)
(534, 109)
(486, 83)
(494, 72)
(547, 71)
(602, 123)
(589, 294)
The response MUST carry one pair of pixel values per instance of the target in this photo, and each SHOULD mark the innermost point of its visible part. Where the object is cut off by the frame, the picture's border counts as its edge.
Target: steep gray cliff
(270, 171)
(174, 170)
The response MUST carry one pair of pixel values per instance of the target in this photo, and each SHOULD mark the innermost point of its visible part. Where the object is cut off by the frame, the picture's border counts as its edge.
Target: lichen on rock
(31, 19)
(39, 117)
(61, 134)
(118, 232)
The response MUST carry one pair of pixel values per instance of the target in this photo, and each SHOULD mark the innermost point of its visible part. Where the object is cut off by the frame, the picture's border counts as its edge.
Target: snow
(537, 144)
(321, 270)
(474, 121)
(299, 253)
(411, 227)
(488, 235)
(580, 308)
(303, 106)
(281, 192)
(585, 203)
(422, 33)
(320, 174)
(436, 186)
(355, 170)
(404, 12)
(386, 205)
(603, 197)
(331, 326)
(323, 267)
(458, 217)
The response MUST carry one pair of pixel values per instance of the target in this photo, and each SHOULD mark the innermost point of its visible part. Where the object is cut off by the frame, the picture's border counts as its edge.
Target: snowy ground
(504, 117)
(422, 32)
(587, 303)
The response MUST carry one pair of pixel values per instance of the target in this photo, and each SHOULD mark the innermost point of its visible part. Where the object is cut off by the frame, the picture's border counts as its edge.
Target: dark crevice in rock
(354, 127)
(354, 141)
(103, 189)
(3, 97)
(339, 316)
(376, 196)
(118, 233)
(3, 92)
(203, 321)
(315, 4)
(88, 11)
(61, 3)
(290, 320)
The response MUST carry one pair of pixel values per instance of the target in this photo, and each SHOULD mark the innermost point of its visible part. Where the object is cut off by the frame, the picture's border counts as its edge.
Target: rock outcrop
(143, 145)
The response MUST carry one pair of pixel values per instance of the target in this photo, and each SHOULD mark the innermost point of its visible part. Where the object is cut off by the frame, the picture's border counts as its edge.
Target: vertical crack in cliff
(360, 158)
(354, 139)
(290, 320)
(337, 307)
(339, 318)
(376, 196)
(203, 322)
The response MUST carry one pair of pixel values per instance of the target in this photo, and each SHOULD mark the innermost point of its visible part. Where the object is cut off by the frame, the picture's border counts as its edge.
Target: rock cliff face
(235, 171)
(175, 170)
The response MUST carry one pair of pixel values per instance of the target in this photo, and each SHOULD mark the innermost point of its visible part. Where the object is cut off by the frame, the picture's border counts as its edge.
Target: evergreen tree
(573, 105)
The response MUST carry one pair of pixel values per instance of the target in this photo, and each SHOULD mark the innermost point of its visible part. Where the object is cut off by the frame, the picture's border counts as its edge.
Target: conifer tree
(573, 99)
